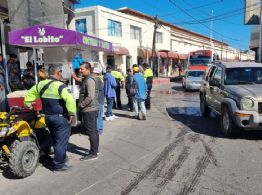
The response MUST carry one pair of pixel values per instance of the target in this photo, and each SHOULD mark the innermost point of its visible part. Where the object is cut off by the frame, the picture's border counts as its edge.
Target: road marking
(121, 169)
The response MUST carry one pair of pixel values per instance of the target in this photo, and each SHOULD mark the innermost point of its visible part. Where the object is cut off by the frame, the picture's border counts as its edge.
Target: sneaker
(143, 117)
(110, 118)
(114, 116)
(62, 169)
(139, 116)
(89, 157)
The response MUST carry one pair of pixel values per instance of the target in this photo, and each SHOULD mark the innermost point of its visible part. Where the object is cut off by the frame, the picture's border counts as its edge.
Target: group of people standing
(59, 106)
(16, 80)
(138, 90)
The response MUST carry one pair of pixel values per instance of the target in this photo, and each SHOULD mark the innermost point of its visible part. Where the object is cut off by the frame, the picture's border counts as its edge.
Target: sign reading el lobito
(45, 36)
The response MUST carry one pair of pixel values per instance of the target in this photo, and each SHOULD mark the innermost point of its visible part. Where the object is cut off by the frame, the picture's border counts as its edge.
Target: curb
(161, 81)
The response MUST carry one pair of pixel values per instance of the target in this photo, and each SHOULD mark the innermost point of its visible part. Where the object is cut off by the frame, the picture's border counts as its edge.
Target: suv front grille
(259, 107)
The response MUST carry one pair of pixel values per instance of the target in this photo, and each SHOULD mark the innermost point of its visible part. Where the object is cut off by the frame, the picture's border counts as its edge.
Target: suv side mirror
(214, 83)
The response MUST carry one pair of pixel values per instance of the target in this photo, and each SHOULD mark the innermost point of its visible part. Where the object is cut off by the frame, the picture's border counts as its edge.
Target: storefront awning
(182, 56)
(144, 53)
(49, 36)
(173, 55)
(119, 50)
(162, 54)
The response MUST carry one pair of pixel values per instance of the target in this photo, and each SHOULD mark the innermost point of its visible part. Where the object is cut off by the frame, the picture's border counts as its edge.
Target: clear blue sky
(228, 25)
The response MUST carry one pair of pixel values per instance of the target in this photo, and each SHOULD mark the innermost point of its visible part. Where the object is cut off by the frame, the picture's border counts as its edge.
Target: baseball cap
(96, 70)
(136, 69)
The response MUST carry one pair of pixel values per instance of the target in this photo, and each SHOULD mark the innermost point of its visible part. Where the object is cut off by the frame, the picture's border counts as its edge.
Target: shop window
(81, 25)
(114, 28)
(135, 32)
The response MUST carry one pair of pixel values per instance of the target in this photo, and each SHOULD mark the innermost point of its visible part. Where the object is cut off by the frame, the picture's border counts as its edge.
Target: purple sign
(46, 36)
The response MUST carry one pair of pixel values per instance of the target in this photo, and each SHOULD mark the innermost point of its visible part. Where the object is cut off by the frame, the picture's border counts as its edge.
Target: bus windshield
(199, 61)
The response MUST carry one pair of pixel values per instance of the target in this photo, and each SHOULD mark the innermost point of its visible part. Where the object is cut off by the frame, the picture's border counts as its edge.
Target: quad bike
(19, 144)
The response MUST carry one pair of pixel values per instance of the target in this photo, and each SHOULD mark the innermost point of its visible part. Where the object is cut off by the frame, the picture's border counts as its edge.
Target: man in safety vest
(58, 106)
(120, 82)
(148, 75)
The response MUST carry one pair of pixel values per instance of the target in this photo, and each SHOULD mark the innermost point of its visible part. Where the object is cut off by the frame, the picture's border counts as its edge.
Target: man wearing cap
(138, 83)
(59, 107)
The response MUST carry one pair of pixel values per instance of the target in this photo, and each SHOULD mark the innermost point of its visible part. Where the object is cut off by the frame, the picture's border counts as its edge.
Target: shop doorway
(128, 62)
(111, 61)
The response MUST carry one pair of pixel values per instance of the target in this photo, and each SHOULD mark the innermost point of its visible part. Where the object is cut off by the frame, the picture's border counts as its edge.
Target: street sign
(252, 12)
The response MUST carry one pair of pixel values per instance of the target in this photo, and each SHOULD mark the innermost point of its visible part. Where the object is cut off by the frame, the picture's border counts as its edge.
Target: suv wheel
(228, 126)
(205, 110)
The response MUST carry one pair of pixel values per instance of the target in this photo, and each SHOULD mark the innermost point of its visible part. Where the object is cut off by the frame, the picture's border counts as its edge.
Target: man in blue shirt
(139, 97)
(110, 93)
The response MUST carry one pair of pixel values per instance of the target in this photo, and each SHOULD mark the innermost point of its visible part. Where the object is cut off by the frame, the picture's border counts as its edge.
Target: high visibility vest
(56, 99)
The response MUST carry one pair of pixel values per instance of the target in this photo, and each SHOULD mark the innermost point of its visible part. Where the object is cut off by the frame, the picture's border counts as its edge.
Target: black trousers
(130, 101)
(148, 102)
(118, 98)
(89, 126)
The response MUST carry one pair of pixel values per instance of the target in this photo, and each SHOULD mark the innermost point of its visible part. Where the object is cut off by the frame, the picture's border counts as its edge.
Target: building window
(81, 25)
(135, 32)
(114, 28)
(159, 37)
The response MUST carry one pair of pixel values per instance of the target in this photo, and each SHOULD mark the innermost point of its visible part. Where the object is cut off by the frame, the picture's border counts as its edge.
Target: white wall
(174, 39)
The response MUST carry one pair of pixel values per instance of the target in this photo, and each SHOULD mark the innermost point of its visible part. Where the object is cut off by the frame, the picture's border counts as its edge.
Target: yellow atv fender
(21, 128)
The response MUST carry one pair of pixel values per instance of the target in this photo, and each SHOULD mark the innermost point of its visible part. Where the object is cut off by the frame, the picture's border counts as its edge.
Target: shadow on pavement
(180, 88)
(210, 126)
(176, 79)
(72, 148)
(7, 173)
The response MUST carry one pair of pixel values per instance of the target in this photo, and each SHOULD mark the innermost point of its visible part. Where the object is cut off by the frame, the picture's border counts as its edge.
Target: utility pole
(154, 55)
(260, 36)
(211, 30)
(221, 50)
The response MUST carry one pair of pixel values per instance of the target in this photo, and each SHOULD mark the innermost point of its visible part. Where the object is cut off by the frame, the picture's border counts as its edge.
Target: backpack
(133, 88)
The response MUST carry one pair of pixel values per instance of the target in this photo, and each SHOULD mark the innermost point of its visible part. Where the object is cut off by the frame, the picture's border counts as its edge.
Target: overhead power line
(218, 33)
(223, 15)
(194, 8)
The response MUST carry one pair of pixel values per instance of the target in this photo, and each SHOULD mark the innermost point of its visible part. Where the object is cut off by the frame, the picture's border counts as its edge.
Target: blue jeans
(141, 103)
(99, 119)
(109, 101)
(60, 133)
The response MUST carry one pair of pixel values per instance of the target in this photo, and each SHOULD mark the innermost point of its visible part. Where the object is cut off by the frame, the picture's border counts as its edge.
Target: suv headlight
(247, 103)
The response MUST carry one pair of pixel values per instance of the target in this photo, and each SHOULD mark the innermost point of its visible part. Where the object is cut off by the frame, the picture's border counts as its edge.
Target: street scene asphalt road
(175, 151)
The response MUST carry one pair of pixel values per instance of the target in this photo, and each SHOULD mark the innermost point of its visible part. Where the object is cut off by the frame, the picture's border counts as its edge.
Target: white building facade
(131, 33)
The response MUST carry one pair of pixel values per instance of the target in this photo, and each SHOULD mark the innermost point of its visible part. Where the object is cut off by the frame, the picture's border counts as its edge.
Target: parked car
(192, 79)
(234, 91)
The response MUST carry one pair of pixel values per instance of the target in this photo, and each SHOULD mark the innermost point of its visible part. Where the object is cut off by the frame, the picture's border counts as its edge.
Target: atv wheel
(24, 158)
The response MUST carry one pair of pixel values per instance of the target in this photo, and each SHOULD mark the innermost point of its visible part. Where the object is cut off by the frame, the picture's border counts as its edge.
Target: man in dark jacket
(88, 106)
(128, 86)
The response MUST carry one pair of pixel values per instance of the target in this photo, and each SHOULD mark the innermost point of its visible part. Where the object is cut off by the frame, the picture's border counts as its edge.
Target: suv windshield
(195, 73)
(245, 75)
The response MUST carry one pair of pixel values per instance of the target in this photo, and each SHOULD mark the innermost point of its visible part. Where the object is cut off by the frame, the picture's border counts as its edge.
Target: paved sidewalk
(126, 146)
